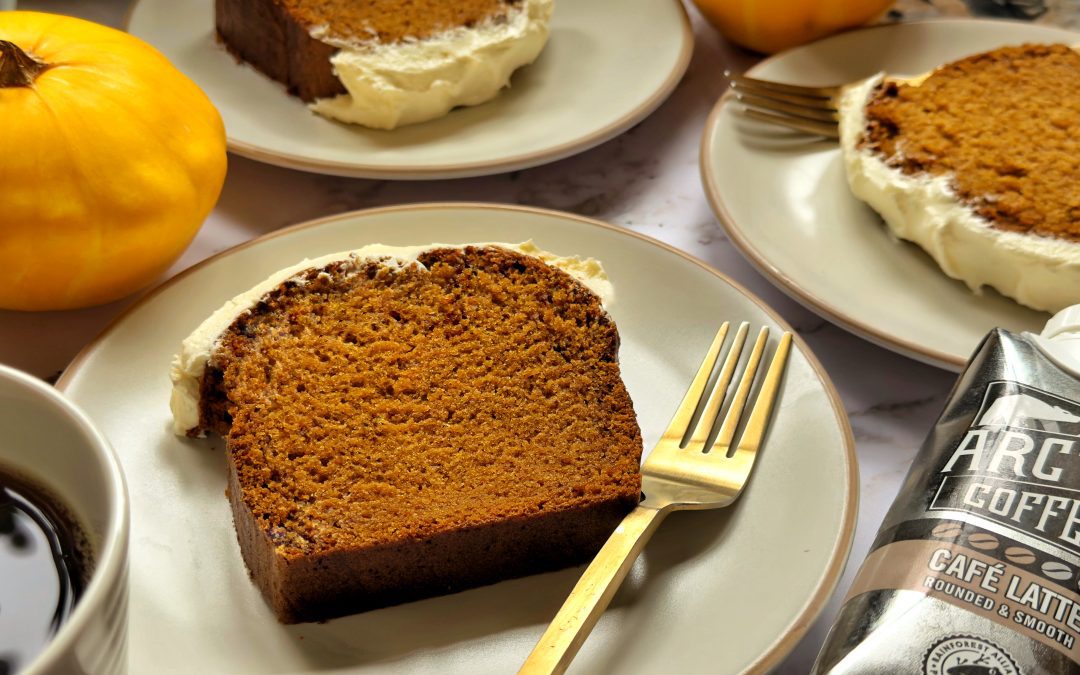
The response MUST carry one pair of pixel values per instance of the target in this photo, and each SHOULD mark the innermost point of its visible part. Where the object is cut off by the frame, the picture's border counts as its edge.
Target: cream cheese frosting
(418, 80)
(189, 364)
(1040, 272)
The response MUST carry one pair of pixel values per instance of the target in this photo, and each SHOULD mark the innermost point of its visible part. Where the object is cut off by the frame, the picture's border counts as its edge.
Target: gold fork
(684, 471)
(810, 109)
(814, 110)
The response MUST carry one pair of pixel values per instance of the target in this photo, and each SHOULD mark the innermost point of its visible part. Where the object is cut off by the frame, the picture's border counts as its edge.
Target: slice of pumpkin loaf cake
(403, 423)
(977, 163)
(386, 63)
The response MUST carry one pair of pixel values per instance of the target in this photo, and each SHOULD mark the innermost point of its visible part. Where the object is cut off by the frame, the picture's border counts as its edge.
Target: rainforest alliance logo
(968, 655)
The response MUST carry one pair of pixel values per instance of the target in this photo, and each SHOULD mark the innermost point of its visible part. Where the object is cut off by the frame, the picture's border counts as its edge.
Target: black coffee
(43, 569)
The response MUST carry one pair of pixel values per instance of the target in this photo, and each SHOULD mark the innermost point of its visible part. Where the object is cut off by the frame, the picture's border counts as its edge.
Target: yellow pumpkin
(771, 26)
(110, 160)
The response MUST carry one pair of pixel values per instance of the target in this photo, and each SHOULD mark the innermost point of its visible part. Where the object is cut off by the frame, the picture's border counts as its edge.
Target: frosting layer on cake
(189, 364)
(1037, 271)
(391, 85)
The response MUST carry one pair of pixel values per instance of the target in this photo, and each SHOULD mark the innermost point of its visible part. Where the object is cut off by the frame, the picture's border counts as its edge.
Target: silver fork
(810, 109)
(686, 470)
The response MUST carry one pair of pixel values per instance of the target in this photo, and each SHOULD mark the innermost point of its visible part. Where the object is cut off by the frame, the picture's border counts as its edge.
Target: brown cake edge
(266, 36)
(339, 583)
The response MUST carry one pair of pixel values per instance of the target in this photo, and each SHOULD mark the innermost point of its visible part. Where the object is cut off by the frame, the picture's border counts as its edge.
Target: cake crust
(397, 431)
(265, 34)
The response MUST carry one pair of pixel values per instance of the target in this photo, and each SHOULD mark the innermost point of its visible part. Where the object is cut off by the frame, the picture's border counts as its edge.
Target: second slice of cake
(386, 63)
(408, 422)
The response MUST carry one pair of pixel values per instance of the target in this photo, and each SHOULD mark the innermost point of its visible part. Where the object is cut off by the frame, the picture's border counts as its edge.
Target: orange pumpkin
(111, 159)
(771, 26)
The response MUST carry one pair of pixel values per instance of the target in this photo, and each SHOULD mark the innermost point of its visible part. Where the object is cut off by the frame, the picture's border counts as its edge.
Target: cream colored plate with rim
(784, 200)
(719, 591)
(594, 80)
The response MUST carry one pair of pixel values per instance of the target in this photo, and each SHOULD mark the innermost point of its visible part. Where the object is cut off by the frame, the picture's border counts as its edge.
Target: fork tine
(809, 126)
(819, 114)
(671, 479)
(680, 422)
(796, 89)
(809, 109)
(774, 97)
(705, 423)
(738, 401)
(756, 423)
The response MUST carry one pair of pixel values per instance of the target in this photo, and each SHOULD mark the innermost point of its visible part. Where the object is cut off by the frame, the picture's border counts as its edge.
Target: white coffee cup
(47, 440)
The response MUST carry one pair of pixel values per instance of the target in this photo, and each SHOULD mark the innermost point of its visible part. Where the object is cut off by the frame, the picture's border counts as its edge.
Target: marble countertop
(645, 180)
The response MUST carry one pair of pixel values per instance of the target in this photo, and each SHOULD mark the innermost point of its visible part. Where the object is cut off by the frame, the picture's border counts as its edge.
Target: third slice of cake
(402, 423)
(386, 63)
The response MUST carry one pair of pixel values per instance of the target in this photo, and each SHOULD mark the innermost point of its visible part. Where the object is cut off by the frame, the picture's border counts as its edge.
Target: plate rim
(829, 577)
(781, 279)
(421, 171)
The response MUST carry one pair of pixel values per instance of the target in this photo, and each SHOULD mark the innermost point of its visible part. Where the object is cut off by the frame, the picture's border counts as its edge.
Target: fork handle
(592, 594)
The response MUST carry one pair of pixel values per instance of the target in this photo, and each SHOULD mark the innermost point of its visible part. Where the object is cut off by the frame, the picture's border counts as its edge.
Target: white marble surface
(646, 180)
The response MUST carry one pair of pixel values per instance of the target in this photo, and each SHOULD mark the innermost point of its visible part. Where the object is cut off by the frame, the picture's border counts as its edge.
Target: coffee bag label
(981, 583)
(999, 531)
(1018, 466)
(975, 568)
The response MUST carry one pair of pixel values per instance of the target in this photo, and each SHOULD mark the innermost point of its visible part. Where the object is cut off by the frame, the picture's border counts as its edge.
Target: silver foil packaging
(976, 568)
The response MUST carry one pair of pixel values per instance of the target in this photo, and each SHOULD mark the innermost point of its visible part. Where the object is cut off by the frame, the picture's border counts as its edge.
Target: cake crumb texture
(390, 21)
(276, 36)
(1003, 125)
(384, 422)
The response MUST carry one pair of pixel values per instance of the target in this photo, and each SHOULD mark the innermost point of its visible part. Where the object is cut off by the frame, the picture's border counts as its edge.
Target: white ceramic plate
(607, 65)
(715, 591)
(785, 201)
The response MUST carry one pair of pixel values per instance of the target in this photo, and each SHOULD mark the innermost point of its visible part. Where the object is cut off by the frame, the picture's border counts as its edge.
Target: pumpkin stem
(17, 68)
